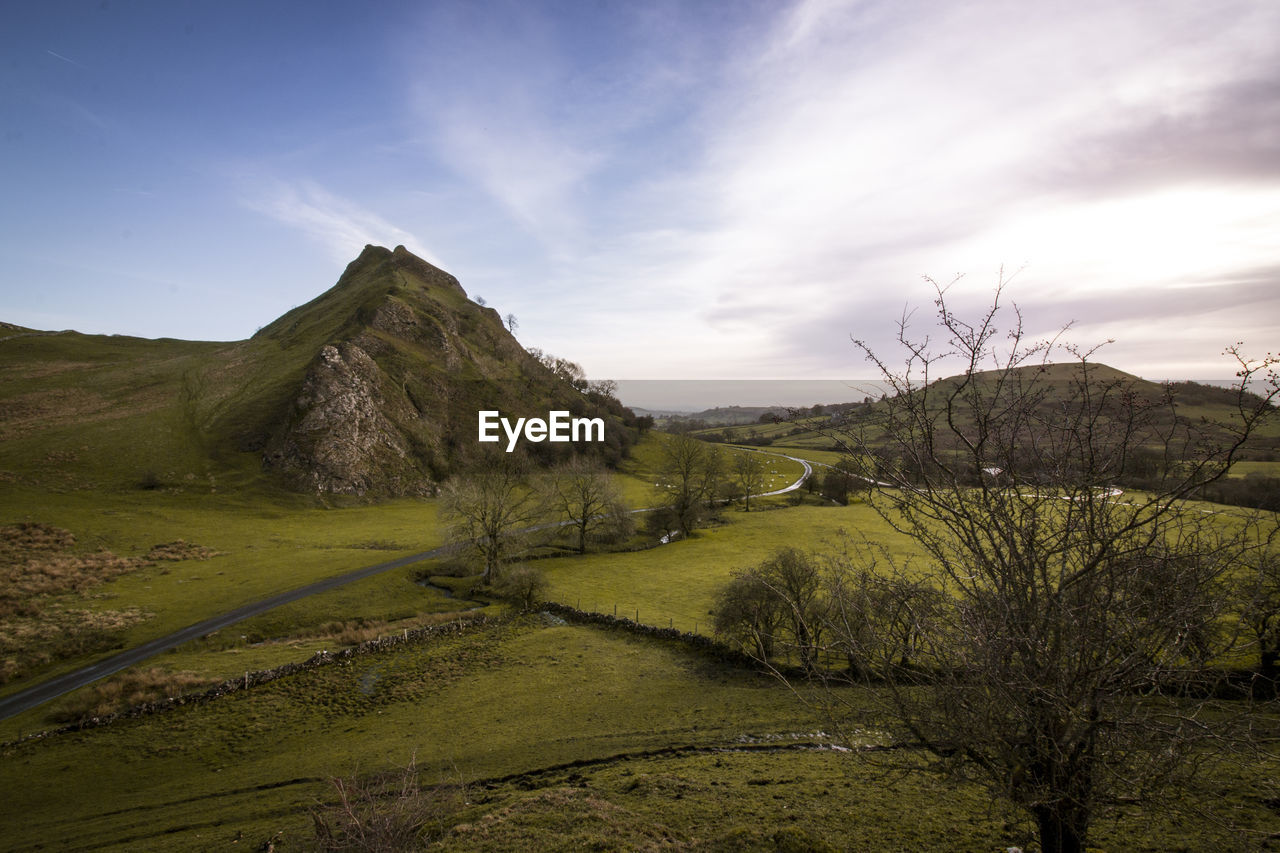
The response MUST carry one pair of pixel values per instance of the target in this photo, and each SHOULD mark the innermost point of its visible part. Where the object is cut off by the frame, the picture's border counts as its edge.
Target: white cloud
(740, 211)
(523, 165)
(343, 227)
(872, 143)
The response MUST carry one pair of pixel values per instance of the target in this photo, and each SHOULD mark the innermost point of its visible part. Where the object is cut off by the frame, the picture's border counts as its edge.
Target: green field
(530, 697)
(666, 736)
(262, 547)
(675, 585)
(541, 734)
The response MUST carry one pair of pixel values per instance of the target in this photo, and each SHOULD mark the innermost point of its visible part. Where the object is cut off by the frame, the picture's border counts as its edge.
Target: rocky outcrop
(341, 437)
(375, 384)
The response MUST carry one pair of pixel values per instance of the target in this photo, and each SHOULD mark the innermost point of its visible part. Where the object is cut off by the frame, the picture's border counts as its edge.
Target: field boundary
(254, 678)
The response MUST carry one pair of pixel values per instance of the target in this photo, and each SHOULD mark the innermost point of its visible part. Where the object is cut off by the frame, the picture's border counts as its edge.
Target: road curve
(808, 469)
(38, 694)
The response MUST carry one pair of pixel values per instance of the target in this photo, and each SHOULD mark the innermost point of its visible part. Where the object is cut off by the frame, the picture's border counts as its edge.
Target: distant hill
(372, 388)
(1053, 383)
(730, 415)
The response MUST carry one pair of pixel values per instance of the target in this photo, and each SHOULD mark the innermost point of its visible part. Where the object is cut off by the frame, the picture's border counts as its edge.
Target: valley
(272, 525)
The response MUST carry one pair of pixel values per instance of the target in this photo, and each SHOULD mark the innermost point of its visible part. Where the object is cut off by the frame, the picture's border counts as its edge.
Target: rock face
(342, 439)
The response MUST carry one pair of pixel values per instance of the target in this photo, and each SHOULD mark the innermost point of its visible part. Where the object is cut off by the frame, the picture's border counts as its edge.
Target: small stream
(425, 583)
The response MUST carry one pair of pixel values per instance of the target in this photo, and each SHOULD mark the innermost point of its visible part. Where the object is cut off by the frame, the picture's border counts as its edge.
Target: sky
(657, 190)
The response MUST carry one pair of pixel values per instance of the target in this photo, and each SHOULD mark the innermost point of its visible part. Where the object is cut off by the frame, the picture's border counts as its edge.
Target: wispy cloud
(664, 194)
(65, 59)
(557, 118)
(343, 227)
(1107, 147)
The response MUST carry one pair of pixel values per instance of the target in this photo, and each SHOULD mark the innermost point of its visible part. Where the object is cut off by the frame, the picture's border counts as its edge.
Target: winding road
(38, 694)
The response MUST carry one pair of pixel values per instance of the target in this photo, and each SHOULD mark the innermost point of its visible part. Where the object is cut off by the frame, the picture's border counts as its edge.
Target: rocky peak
(400, 363)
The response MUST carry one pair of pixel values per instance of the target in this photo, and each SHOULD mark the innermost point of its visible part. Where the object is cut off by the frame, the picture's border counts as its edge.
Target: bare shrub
(522, 584)
(385, 812)
(179, 549)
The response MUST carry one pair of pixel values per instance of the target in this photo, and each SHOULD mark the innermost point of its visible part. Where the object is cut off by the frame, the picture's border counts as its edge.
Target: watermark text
(558, 427)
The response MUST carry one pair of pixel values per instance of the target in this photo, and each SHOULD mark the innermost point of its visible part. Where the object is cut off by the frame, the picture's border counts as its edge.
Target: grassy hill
(1053, 384)
(95, 411)
(372, 388)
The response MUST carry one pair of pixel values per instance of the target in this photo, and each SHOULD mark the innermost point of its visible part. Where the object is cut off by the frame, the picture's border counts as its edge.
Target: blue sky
(659, 189)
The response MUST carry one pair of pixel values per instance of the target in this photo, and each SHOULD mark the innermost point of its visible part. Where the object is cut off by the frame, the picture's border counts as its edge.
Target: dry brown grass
(351, 633)
(179, 550)
(127, 690)
(357, 631)
(25, 413)
(36, 560)
(42, 578)
(45, 632)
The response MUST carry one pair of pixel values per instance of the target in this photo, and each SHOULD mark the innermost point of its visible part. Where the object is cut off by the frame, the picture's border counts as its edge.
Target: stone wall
(253, 679)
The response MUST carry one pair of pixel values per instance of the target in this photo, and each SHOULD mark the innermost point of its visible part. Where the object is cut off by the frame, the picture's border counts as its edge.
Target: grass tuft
(127, 690)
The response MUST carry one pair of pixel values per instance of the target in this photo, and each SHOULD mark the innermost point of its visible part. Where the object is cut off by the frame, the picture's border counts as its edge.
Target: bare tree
(748, 474)
(522, 584)
(569, 371)
(796, 581)
(492, 511)
(841, 479)
(777, 606)
(512, 323)
(691, 473)
(585, 497)
(876, 618)
(1061, 659)
(747, 611)
(1260, 588)
(603, 388)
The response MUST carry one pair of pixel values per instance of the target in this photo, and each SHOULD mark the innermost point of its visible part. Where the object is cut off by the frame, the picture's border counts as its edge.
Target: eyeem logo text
(557, 427)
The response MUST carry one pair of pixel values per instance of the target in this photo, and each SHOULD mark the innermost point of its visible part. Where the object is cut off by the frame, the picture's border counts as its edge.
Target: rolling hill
(372, 388)
(1177, 414)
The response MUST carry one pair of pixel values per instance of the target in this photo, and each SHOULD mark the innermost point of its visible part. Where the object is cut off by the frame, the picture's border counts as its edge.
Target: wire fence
(655, 617)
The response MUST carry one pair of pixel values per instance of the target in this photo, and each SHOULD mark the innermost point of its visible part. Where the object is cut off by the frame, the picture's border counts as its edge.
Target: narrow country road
(38, 694)
(808, 469)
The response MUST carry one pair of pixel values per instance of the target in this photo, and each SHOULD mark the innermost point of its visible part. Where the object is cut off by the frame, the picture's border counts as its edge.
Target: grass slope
(531, 697)
(109, 413)
(263, 546)
(676, 584)
(503, 710)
